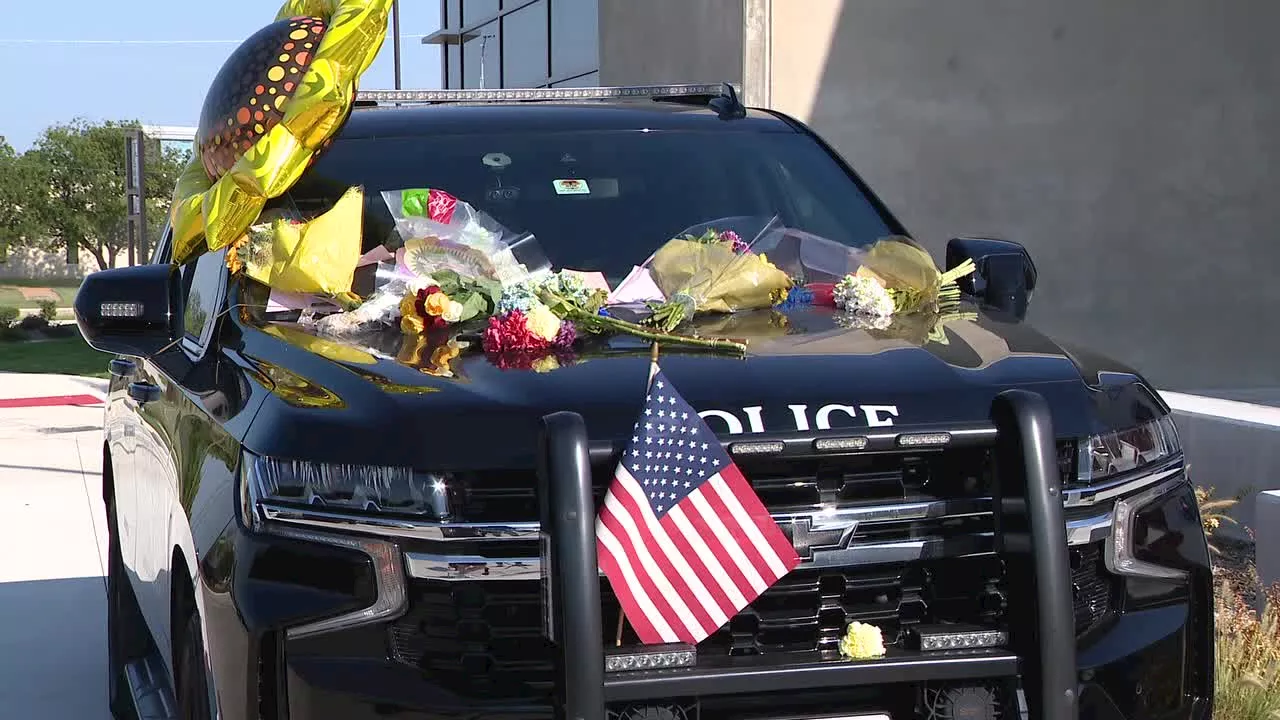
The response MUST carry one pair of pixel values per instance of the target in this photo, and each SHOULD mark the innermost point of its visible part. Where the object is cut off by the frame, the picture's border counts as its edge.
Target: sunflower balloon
(279, 99)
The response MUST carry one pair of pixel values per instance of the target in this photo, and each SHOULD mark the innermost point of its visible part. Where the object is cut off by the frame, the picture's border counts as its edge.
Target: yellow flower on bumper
(862, 641)
(542, 322)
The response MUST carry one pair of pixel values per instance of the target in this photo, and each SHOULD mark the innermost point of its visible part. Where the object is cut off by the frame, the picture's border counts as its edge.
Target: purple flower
(567, 335)
(735, 241)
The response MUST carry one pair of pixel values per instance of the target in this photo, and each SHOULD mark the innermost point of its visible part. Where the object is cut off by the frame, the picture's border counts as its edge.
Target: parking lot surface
(53, 542)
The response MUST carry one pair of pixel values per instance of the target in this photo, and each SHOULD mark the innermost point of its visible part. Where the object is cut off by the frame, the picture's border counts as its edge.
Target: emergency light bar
(704, 90)
(650, 657)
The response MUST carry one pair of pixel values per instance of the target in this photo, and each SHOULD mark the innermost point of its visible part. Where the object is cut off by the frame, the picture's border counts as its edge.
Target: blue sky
(162, 84)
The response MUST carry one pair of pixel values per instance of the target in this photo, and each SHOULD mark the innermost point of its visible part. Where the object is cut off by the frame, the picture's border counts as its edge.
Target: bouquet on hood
(898, 277)
(712, 268)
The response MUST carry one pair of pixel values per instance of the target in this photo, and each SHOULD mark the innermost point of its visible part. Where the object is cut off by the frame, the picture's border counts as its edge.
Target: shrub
(1212, 513)
(8, 316)
(33, 322)
(48, 310)
(1248, 649)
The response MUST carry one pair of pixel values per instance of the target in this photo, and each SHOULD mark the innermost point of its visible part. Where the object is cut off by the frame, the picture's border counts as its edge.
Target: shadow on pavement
(53, 649)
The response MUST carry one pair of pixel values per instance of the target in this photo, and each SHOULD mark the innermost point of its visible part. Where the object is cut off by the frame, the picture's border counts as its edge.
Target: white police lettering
(733, 423)
(873, 415)
(824, 414)
(877, 416)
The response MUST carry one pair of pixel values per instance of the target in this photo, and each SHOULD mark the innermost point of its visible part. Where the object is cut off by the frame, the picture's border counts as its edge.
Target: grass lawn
(66, 355)
(10, 296)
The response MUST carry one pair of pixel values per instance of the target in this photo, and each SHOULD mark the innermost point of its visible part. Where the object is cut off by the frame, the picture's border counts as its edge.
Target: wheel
(189, 672)
(127, 638)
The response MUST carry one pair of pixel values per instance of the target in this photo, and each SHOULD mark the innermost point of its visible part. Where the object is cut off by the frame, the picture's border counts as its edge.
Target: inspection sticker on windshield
(572, 187)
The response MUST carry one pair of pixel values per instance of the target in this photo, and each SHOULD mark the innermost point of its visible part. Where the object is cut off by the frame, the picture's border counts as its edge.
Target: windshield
(603, 200)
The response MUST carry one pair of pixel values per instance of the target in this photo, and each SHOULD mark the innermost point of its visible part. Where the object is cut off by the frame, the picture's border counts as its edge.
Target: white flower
(863, 295)
(452, 312)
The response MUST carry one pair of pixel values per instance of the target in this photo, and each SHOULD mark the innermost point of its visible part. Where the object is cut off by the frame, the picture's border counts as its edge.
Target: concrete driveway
(53, 544)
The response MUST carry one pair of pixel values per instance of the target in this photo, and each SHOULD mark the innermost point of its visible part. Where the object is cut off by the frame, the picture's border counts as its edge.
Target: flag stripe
(741, 489)
(731, 584)
(635, 589)
(749, 526)
(645, 630)
(634, 533)
(728, 544)
(632, 499)
(744, 543)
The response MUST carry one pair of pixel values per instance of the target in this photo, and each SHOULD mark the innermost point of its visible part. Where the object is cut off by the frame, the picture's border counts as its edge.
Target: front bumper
(1150, 656)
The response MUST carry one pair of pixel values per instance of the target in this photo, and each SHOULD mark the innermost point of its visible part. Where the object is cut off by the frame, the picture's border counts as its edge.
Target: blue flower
(797, 296)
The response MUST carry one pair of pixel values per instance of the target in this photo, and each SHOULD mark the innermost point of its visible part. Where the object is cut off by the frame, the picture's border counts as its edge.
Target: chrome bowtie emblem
(806, 539)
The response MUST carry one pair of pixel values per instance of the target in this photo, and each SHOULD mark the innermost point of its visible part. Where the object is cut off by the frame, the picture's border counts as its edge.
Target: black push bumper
(1029, 526)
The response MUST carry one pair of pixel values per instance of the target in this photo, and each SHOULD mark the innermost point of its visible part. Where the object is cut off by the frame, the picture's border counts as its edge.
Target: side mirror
(133, 311)
(1005, 276)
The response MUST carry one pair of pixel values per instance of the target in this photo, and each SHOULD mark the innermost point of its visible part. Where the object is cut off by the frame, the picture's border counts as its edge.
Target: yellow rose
(542, 322)
(452, 312)
(437, 303)
(862, 641)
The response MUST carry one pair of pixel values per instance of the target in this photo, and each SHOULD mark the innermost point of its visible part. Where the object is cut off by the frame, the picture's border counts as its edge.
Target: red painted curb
(51, 401)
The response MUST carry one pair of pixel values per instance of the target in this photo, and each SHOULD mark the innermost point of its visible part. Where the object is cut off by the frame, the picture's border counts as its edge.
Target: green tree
(82, 164)
(17, 199)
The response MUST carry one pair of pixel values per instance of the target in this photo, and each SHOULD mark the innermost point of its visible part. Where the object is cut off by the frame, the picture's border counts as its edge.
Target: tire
(127, 638)
(189, 673)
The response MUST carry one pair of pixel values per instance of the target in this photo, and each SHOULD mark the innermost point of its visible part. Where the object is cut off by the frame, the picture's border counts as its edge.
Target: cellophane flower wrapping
(714, 268)
(441, 232)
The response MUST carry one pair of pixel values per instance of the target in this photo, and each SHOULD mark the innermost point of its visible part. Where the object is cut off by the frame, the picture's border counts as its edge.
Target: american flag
(682, 537)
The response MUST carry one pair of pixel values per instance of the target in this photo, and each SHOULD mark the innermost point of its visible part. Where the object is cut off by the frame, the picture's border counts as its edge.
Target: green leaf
(448, 282)
(473, 304)
(414, 202)
(492, 289)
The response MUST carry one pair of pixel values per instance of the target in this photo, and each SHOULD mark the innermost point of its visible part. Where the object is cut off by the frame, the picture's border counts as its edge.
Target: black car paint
(275, 395)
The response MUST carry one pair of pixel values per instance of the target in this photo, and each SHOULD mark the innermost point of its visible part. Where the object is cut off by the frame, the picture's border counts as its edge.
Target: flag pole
(653, 356)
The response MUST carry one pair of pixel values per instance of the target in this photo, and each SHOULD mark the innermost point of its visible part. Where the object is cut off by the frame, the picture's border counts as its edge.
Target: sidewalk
(52, 553)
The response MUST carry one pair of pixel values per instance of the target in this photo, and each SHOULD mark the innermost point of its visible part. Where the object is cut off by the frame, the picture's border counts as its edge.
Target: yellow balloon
(211, 213)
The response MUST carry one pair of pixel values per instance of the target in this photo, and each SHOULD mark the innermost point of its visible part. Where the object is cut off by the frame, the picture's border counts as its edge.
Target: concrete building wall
(1131, 146)
(670, 41)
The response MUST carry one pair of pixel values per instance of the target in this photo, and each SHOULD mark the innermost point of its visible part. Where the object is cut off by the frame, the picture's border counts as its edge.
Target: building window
(482, 57)
(524, 46)
(575, 37)
(591, 79)
(474, 11)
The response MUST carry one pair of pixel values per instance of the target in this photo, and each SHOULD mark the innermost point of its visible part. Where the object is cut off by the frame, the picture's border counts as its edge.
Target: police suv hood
(370, 402)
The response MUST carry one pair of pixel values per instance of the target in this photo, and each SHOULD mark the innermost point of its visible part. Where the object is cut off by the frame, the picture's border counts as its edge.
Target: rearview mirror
(133, 311)
(1005, 276)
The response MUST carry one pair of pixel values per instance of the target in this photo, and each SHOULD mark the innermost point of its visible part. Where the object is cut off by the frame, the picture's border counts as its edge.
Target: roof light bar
(542, 94)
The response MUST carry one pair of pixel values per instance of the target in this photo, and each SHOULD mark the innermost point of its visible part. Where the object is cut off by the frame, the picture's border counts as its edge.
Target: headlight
(1121, 451)
(344, 488)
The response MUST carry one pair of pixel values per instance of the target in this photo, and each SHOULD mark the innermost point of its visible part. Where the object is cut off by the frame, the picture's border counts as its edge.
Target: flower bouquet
(315, 257)
(709, 268)
(897, 276)
(447, 299)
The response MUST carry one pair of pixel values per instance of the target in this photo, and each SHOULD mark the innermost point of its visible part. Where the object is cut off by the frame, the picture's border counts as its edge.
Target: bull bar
(1029, 527)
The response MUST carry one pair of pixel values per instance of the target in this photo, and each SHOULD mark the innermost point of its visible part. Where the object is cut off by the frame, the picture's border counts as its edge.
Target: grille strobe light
(120, 309)
(840, 444)
(924, 439)
(757, 448)
(932, 638)
(653, 657)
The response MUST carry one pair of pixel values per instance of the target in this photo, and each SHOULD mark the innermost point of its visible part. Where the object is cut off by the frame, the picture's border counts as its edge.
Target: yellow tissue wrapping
(210, 214)
(717, 279)
(315, 258)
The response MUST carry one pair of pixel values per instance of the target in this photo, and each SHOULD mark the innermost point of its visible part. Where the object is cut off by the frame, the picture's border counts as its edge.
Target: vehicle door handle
(144, 392)
(122, 368)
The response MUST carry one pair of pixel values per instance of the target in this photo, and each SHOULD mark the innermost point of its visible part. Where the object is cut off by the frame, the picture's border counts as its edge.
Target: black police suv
(1013, 514)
